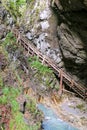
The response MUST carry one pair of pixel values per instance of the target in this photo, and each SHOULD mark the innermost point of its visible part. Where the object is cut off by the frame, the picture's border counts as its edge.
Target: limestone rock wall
(41, 28)
(58, 28)
(72, 35)
(70, 5)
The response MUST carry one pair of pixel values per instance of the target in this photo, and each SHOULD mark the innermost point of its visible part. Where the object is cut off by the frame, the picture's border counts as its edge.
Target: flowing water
(51, 120)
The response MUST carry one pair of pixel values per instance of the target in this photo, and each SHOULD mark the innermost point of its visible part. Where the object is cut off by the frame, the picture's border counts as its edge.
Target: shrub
(17, 123)
(13, 6)
(42, 69)
(9, 96)
(10, 39)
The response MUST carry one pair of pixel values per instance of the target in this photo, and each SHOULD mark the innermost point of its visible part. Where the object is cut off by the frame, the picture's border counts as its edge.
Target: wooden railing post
(43, 59)
(61, 84)
(27, 54)
(64, 77)
(72, 82)
(18, 38)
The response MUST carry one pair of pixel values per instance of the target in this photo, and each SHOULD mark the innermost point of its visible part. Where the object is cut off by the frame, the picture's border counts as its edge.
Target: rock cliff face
(41, 27)
(59, 29)
(70, 5)
(72, 35)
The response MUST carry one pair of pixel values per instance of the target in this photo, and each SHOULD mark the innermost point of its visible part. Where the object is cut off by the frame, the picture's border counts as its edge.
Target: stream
(52, 121)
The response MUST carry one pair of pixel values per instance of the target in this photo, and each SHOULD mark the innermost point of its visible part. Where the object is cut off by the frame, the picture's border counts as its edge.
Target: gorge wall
(72, 35)
(58, 28)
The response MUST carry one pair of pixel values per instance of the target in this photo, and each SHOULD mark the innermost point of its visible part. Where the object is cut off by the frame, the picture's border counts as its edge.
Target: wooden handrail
(78, 88)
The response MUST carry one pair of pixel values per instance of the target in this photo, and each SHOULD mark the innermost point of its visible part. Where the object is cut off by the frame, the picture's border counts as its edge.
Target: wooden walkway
(63, 76)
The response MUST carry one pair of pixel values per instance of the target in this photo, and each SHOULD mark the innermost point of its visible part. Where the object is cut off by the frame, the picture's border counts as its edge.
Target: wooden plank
(82, 91)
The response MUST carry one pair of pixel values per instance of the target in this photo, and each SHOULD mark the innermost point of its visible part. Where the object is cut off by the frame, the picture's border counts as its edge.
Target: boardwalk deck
(64, 77)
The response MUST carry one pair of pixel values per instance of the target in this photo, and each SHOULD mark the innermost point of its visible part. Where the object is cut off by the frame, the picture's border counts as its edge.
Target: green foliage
(4, 53)
(3, 99)
(18, 123)
(14, 92)
(14, 105)
(5, 91)
(13, 6)
(42, 69)
(35, 127)
(30, 1)
(10, 39)
(31, 105)
(80, 106)
(9, 44)
(20, 2)
(43, 74)
(9, 96)
(1, 82)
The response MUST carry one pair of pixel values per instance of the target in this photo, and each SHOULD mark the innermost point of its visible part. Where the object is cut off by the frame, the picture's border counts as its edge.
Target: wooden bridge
(63, 76)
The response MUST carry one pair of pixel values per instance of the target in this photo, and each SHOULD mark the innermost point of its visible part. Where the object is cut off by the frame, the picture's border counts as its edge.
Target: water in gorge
(51, 120)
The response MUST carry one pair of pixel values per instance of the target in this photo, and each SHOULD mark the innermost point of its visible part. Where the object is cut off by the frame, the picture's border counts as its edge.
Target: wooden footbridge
(63, 76)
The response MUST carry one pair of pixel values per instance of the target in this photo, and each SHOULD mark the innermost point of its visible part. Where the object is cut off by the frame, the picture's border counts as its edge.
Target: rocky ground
(70, 109)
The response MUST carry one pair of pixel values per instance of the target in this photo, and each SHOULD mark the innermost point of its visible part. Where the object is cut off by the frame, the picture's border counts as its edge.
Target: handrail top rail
(47, 59)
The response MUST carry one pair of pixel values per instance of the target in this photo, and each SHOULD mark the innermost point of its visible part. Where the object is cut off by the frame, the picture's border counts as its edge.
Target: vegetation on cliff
(11, 89)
